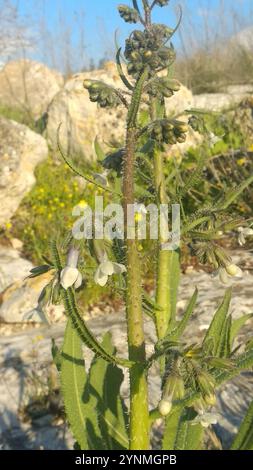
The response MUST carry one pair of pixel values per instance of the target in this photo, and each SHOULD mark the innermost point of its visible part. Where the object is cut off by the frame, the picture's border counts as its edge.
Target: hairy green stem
(163, 264)
(147, 12)
(139, 416)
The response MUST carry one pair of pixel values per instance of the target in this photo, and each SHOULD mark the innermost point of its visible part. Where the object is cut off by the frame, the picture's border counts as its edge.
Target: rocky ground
(27, 374)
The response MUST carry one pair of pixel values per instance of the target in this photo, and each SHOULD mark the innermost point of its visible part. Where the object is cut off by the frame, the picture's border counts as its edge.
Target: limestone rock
(12, 267)
(20, 151)
(230, 96)
(29, 86)
(19, 302)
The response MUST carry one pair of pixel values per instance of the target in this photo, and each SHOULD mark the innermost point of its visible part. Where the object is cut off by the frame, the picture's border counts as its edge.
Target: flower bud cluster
(169, 132)
(129, 15)
(163, 87)
(101, 93)
(173, 390)
(147, 49)
(197, 124)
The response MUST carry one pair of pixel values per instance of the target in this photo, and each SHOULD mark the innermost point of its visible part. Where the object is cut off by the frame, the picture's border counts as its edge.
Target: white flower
(70, 275)
(107, 268)
(233, 270)
(213, 139)
(206, 419)
(164, 407)
(243, 232)
(226, 273)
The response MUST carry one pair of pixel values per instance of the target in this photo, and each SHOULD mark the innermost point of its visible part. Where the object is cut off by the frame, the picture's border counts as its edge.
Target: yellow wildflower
(241, 161)
(138, 217)
(82, 204)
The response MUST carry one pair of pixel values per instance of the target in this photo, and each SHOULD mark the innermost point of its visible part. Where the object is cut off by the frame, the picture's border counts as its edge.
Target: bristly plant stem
(139, 416)
(147, 11)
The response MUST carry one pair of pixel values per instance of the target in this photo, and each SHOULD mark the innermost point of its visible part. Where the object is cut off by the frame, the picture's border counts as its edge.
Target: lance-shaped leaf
(224, 343)
(180, 433)
(85, 334)
(213, 337)
(233, 194)
(40, 270)
(121, 72)
(244, 437)
(73, 381)
(170, 430)
(237, 325)
(177, 332)
(136, 100)
(104, 389)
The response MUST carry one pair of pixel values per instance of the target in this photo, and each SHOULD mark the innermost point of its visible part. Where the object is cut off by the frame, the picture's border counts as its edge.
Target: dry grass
(212, 54)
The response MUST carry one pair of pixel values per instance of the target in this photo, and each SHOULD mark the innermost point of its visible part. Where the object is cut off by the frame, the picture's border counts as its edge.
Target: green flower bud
(174, 85)
(172, 140)
(130, 15)
(174, 387)
(210, 399)
(181, 127)
(147, 55)
(232, 269)
(206, 382)
(222, 258)
(87, 83)
(162, 3)
(138, 36)
(167, 93)
(165, 53)
(182, 138)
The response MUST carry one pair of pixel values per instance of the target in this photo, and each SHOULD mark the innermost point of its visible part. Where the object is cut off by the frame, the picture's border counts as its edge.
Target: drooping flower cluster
(163, 87)
(103, 94)
(129, 15)
(169, 131)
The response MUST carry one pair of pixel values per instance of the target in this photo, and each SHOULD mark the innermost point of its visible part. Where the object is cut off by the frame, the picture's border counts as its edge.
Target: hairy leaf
(176, 332)
(73, 381)
(237, 325)
(244, 437)
(105, 382)
(213, 337)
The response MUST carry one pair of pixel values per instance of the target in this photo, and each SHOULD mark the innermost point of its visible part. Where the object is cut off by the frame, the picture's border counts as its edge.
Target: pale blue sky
(100, 19)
